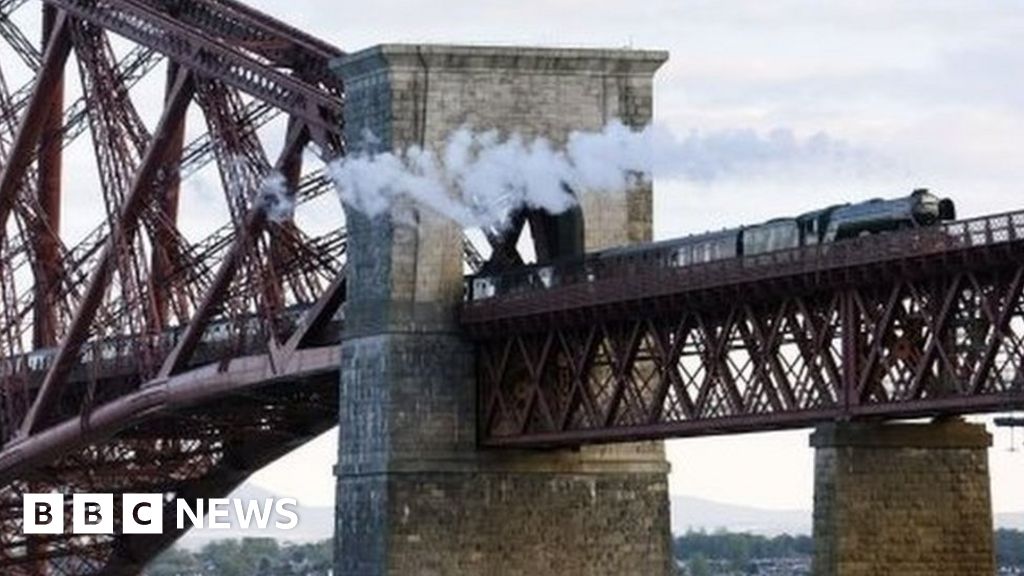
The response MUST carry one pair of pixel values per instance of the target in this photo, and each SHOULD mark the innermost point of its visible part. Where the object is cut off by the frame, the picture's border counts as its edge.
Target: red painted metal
(195, 436)
(208, 48)
(927, 322)
(143, 188)
(33, 123)
(167, 204)
(47, 236)
(247, 319)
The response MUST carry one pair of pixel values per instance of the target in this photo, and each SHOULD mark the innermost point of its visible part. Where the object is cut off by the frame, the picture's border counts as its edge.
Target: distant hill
(1011, 520)
(688, 513)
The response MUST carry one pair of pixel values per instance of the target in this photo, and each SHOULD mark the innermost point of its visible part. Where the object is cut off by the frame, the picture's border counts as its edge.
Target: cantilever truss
(104, 334)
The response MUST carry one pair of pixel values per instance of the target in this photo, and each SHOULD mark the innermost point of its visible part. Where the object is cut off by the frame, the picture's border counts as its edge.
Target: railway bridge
(510, 434)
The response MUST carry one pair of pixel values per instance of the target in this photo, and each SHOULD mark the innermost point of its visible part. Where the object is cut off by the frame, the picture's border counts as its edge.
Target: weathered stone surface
(415, 495)
(907, 499)
(417, 95)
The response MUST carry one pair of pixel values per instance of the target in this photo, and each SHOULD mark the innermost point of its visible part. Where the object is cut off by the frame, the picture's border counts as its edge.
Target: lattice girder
(927, 323)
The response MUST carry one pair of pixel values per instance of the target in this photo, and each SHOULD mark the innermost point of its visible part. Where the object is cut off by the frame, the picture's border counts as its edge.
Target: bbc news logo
(94, 514)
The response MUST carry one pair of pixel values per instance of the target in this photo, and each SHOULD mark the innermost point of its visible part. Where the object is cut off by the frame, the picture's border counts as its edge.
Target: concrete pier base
(906, 499)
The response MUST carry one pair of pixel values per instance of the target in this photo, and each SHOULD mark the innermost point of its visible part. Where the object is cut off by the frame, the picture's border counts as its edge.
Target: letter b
(43, 513)
(93, 513)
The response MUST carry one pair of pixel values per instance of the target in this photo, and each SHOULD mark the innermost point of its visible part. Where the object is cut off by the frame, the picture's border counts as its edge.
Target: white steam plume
(275, 199)
(479, 179)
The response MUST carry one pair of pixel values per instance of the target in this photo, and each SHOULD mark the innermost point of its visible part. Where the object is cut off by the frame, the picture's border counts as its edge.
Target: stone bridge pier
(902, 499)
(415, 496)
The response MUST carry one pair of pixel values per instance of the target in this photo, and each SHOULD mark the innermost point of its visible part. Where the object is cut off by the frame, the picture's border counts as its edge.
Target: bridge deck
(199, 435)
(925, 322)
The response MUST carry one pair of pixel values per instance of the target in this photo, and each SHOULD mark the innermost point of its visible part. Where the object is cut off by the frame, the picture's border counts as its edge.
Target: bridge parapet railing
(643, 272)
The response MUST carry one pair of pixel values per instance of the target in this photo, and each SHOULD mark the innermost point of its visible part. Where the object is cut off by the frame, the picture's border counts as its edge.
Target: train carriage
(921, 210)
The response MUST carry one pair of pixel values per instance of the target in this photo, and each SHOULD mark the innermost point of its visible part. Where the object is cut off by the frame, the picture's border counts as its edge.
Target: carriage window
(681, 256)
(785, 236)
(772, 237)
(709, 251)
(811, 233)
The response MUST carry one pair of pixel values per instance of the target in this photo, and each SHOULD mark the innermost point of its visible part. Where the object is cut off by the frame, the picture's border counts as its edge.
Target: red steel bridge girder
(140, 360)
(250, 37)
(915, 324)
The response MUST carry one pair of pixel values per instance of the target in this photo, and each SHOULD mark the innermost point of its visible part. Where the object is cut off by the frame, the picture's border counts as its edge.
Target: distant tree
(699, 566)
(262, 556)
(1010, 548)
(247, 557)
(238, 557)
(175, 562)
(739, 549)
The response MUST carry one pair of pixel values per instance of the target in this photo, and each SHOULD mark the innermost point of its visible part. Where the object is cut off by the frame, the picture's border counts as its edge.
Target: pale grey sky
(931, 90)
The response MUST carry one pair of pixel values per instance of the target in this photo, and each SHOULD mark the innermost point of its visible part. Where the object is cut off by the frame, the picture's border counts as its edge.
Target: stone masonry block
(414, 494)
(902, 499)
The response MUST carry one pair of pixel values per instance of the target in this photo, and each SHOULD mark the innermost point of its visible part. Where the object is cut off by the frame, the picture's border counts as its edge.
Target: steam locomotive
(832, 224)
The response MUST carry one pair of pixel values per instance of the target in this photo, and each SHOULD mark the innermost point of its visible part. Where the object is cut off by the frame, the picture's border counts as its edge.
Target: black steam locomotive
(832, 224)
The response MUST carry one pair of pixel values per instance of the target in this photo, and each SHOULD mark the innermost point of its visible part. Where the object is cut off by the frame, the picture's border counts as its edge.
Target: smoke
(704, 157)
(481, 178)
(275, 199)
